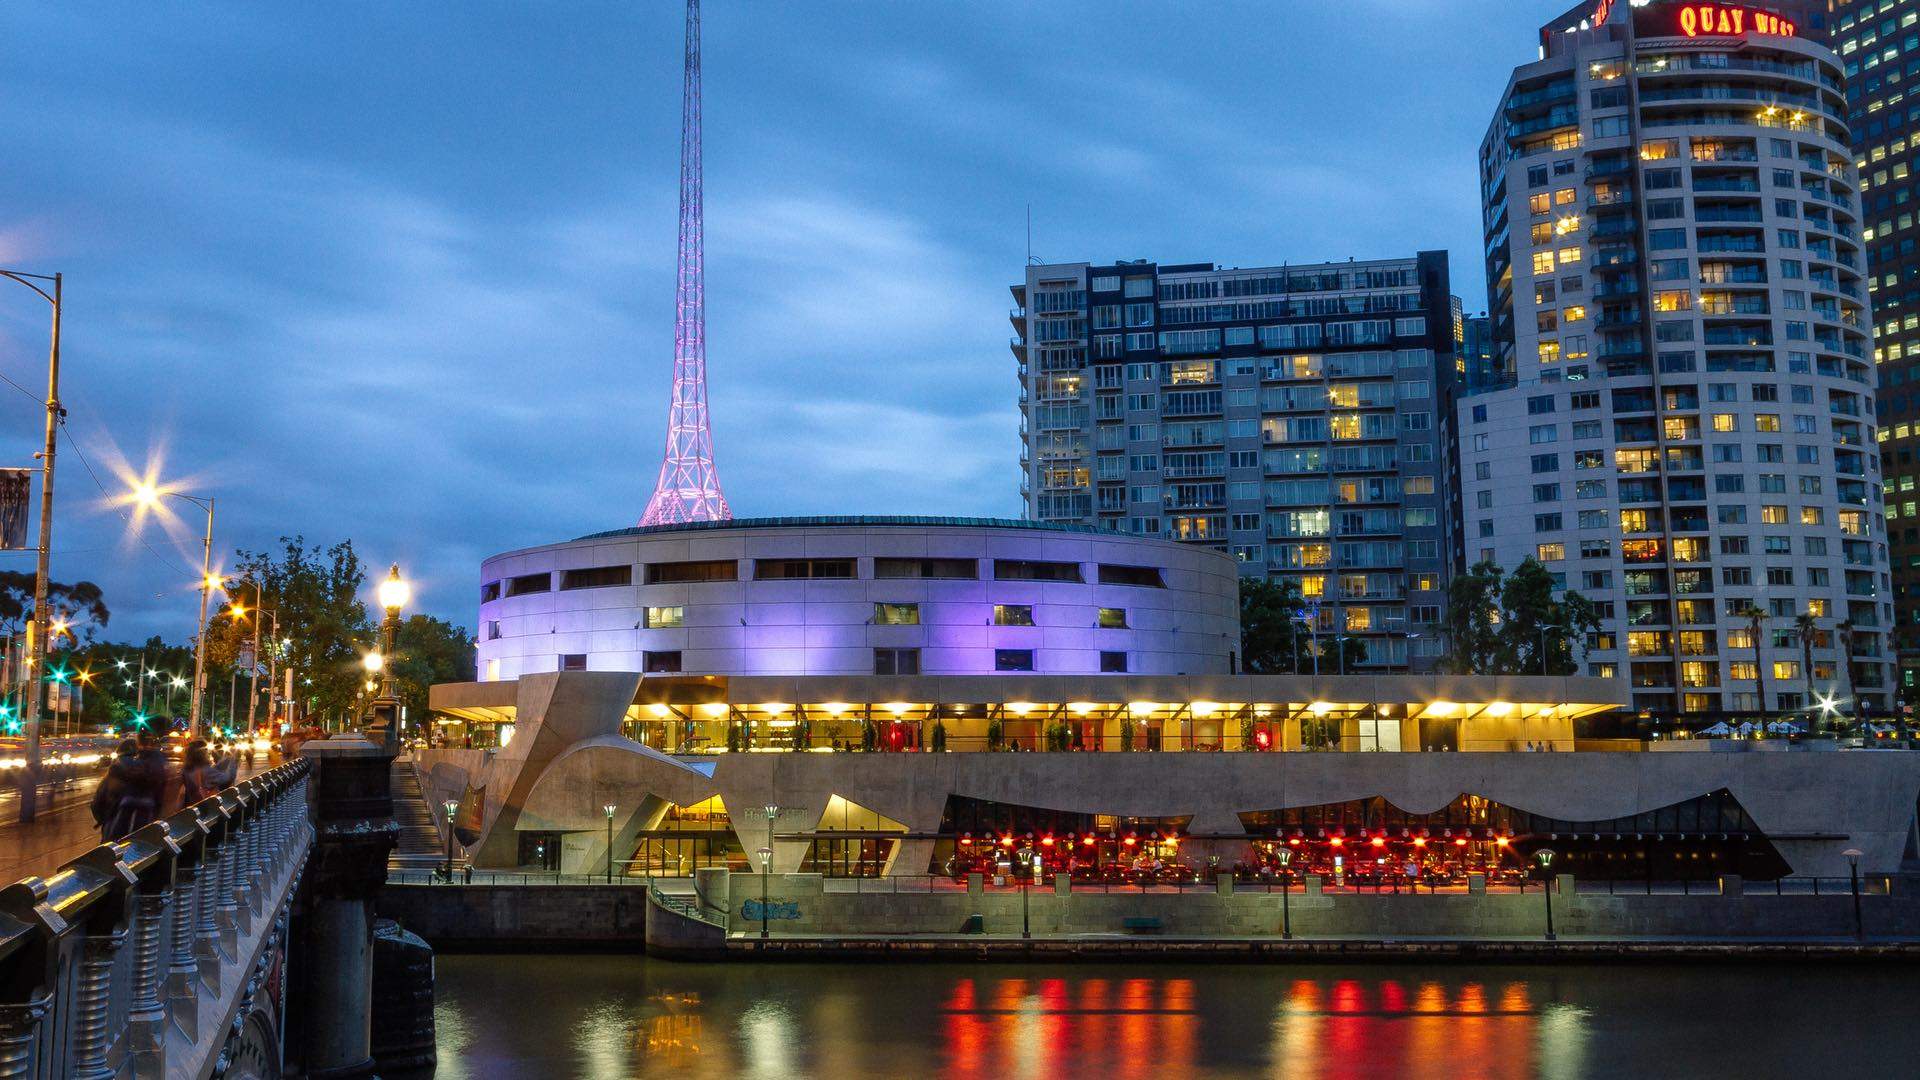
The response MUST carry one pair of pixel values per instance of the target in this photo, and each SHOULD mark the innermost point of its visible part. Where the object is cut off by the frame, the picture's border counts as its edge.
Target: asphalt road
(62, 830)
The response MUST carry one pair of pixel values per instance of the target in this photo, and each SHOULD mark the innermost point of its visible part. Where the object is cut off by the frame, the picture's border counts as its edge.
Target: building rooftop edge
(862, 520)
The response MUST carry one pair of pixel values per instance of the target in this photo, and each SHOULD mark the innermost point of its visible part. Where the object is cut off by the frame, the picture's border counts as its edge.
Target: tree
(1844, 631)
(80, 604)
(1510, 624)
(1269, 635)
(1807, 629)
(1754, 614)
(428, 650)
(316, 595)
(1274, 639)
(1473, 621)
(1536, 631)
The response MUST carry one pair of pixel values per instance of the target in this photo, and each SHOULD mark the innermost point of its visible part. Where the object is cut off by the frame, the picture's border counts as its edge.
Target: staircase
(422, 845)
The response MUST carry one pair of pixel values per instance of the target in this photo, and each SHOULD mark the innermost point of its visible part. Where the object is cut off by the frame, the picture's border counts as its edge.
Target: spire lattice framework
(689, 488)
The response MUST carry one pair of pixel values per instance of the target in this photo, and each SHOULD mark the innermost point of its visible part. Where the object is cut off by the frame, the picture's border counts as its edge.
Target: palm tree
(1807, 629)
(1844, 631)
(1754, 614)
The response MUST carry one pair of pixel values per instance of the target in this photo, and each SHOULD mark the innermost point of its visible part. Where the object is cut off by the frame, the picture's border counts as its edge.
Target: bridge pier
(355, 832)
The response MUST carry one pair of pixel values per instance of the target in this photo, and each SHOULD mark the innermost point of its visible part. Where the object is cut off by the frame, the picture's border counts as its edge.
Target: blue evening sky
(404, 272)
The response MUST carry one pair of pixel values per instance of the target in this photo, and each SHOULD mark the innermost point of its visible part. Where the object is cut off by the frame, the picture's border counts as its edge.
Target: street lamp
(36, 651)
(1285, 855)
(450, 806)
(1544, 857)
(1853, 873)
(609, 809)
(1544, 627)
(766, 872)
(146, 494)
(393, 595)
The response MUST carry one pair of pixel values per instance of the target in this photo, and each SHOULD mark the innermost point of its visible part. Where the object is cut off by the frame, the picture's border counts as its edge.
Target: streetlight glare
(394, 592)
(373, 662)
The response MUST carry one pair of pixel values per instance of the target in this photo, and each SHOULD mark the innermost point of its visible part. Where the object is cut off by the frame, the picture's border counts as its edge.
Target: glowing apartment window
(1012, 615)
(1113, 618)
(1659, 149)
(1773, 515)
(885, 614)
(1673, 300)
(1766, 422)
(1698, 673)
(1741, 670)
(1810, 515)
(1542, 262)
(666, 618)
(1553, 552)
(1635, 521)
(1541, 203)
(1817, 608)
(1570, 255)
(1359, 619)
(1313, 587)
(1690, 549)
(1786, 669)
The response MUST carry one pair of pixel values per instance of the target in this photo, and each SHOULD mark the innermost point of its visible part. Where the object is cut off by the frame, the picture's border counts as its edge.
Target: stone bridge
(185, 950)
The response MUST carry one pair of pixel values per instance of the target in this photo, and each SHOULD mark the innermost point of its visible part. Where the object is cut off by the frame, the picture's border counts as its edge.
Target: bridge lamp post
(1285, 855)
(393, 594)
(449, 806)
(766, 871)
(609, 809)
(1544, 857)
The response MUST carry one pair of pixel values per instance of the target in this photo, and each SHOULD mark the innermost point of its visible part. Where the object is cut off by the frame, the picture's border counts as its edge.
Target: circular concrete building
(860, 596)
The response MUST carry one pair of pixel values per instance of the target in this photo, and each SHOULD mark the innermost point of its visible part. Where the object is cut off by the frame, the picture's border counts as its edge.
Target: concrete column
(1476, 884)
(1223, 884)
(1062, 884)
(353, 815)
(1313, 885)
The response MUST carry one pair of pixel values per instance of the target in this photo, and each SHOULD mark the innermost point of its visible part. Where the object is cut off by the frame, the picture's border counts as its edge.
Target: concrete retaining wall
(548, 917)
(798, 905)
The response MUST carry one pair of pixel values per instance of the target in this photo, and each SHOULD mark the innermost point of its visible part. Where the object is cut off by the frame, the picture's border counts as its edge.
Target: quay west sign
(1695, 20)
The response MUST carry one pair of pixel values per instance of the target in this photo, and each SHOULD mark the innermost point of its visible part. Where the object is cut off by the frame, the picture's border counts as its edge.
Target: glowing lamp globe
(394, 592)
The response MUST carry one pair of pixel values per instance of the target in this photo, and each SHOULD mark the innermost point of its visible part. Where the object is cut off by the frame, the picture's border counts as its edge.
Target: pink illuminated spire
(689, 489)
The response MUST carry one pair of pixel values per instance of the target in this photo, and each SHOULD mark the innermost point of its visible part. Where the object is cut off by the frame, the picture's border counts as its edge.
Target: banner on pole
(16, 493)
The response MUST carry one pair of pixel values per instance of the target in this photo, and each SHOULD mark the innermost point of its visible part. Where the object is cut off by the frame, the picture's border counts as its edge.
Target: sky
(403, 273)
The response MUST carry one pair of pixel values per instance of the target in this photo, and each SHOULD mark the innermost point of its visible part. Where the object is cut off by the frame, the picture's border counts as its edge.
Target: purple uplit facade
(860, 596)
(689, 488)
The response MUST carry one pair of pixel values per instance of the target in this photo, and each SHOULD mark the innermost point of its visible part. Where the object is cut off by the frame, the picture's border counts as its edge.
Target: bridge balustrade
(162, 954)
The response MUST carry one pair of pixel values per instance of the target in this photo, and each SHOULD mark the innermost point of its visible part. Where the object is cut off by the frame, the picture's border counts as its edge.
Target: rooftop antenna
(689, 489)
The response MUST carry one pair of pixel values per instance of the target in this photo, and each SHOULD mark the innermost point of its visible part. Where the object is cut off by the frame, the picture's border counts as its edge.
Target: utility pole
(253, 678)
(36, 656)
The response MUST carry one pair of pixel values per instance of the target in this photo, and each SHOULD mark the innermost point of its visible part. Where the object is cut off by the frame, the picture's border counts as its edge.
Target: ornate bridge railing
(162, 955)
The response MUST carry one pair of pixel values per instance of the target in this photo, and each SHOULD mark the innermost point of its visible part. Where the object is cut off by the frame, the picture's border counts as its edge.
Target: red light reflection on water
(1137, 1027)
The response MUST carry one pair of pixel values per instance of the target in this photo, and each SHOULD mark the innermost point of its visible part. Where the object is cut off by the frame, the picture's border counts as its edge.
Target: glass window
(896, 614)
(1013, 615)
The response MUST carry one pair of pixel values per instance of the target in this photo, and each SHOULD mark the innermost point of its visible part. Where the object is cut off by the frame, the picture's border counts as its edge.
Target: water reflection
(510, 1016)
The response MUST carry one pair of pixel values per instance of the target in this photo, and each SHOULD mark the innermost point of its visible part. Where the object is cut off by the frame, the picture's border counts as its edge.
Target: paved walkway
(62, 830)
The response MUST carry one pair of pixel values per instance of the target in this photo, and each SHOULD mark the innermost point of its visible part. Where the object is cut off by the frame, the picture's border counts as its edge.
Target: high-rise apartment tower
(1685, 428)
(1297, 416)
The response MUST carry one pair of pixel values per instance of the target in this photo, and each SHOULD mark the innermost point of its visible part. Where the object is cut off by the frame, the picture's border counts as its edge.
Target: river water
(620, 1016)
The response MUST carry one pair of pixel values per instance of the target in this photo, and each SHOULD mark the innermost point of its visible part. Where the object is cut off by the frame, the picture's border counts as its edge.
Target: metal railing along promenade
(147, 957)
(680, 885)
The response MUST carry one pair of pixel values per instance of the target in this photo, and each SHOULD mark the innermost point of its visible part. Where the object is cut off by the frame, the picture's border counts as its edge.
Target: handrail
(138, 956)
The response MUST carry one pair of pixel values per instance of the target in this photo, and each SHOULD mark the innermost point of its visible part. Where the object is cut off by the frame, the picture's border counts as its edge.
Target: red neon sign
(1722, 20)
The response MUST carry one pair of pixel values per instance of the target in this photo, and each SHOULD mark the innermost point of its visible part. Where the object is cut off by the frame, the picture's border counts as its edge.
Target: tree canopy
(1273, 641)
(1501, 624)
(81, 603)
